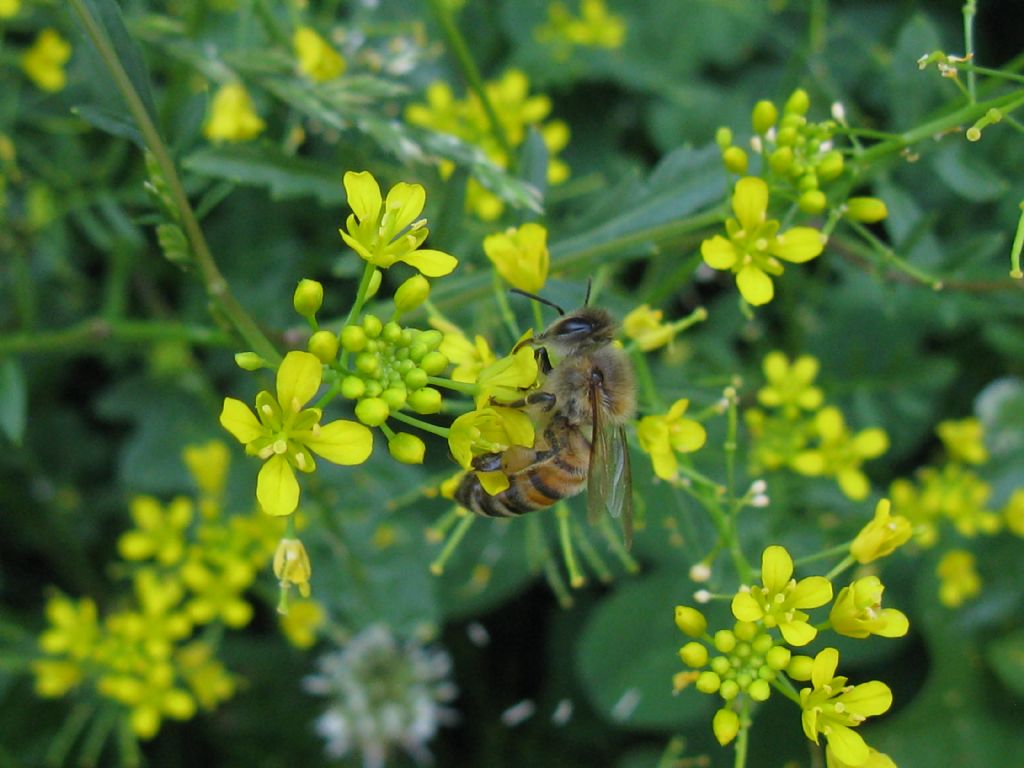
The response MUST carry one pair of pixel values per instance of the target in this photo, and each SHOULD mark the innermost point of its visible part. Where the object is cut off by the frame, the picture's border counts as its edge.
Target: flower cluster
(44, 61)
(755, 655)
(384, 696)
(188, 572)
(796, 157)
(595, 27)
(468, 119)
(794, 428)
(233, 116)
(662, 436)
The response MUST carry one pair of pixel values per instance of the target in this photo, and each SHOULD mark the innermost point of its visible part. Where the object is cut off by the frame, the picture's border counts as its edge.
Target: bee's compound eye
(574, 326)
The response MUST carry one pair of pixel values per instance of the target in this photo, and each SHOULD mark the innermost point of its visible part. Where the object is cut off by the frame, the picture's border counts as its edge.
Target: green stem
(1018, 244)
(590, 554)
(840, 567)
(889, 256)
(216, 286)
(69, 732)
(357, 304)
(970, 9)
(565, 540)
(437, 567)
(419, 424)
(457, 46)
(839, 549)
(86, 334)
(651, 396)
(783, 686)
(507, 315)
(464, 387)
(742, 737)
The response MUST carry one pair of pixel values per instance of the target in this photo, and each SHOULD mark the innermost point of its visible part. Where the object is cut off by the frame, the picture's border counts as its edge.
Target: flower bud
(708, 682)
(352, 387)
(372, 411)
(431, 338)
(415, 378)
(745, 630)
(729, 690)
(407, 448)
(759, 690)
(763, 116)
(353, 338)
(690, 621)
(434, 363)
(866, 209)
(735, 160)
(726, 725)
(780, 160)
(830, 165)
(778, 657)
(694, 654)
(812, 202)
(799, 668)
(372, 325)
(391, 332)
(374, 285)
(324, 345)
(723, 138)
(367, 363)
(291, 565)
(309, 296)
(725, 640)
(394, 397)
(425, 401)
(250, 361)
(798, 103)
(412, 293)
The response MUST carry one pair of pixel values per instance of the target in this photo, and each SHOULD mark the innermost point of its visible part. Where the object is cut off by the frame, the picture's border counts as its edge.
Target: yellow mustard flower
(520, 255)
(44, 61)
(595, 27)
(151, 696)
(647, 328)
(55, 677)
(959, 495)
(504, 379)
(964, 440)
(779, 600)
(663, 436)
(301, 622)
(284, 433)
(74, 629)
(775, 438)
(875, 759)
(217, 592)
(9, 8)
(858, 612)
(158, 533)
(207, 679)
(467, 356)
(208, 464)
(161, 623)
(1014, 512)
(232, 115)
(754, 244)
(292, 566)
(385, 231)
(790, 386)
(959, 581)
(840, 454)
(834, 709)
(882, 536)
(489, 430)
(317, 58)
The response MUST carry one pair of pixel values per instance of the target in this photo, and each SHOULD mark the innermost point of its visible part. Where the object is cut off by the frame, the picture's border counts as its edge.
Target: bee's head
(585, 328)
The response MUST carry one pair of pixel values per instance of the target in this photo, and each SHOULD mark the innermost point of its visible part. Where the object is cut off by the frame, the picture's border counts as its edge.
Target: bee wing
(609, 478)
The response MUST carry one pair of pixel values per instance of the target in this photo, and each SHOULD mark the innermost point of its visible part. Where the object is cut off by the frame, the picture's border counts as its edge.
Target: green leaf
(967, 174)
(116, 124)
(1006, 657)
(628, 653)
(265, 165)
(13, 400)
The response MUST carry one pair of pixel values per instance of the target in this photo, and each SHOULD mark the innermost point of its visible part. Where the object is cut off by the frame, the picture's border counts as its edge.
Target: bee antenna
(541, 299)
(590, 284)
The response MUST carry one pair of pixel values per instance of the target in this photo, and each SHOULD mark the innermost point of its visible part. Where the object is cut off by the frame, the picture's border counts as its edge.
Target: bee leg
(487, 462)
(546, 399)
(543, 360)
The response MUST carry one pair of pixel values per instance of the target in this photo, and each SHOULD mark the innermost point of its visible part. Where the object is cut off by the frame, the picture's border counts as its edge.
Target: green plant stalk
(459, 49)
(742, 738)
(86, 334)
(98, 733)
(576, 578)
(128, 744)
(840, 567)
(216, 286)
(464, 387)
(1018, 244)
(426, 426)
(69, 732)
(889, 256)
(590, 554)
(646, 381)
(940, 125)
(970, 10)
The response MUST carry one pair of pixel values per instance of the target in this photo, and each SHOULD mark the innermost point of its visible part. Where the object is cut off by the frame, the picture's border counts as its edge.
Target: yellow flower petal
(776, 568)
(665, 464)
(238, 419)
(363, 194)
(847, 744)
(298, 379)
(277, 490)
(404, 203)
(750, 202)
(687, 435)
(870, 443)
(854, 484)
(797, 633)
(431, 263)
(341, 442)
(811, 592)
(493, 482)
(718, 252)
(745, 607)
(798, 245)
(755, 286)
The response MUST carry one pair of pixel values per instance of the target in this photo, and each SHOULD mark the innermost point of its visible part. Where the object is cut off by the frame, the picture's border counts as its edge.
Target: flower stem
(576, 579)
(845, 563)
(457, 46)
(1018, 244)
(742, 736)
(216, 286)
(437, 567)
(465, 387)
(970, 10)
(426, 426)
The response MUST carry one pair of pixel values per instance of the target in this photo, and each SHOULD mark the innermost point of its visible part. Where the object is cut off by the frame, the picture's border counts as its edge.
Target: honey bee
(579, 414)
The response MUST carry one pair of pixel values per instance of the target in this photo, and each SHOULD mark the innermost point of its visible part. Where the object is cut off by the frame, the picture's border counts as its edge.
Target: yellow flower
(467, 357)
(285, 433)
(301, 623)
(158, 533)
(291, 565)
(857, 611)
(317, 59)
(644, 325)
(875, 759)
(489, 430)
(964, 440)
(217, 592)
(1014, 512)
(776, 439)
(9, 8)
(151, 696)
(959, 580)
(833, 708)
(664, 436)
(384, 231)
(505, 379)
(74, 630)
(779, 600)
(594, 28)
(44, 62)
(207, 679)
(232, 115)
(520, 256)
(55, 677)
(754, 244)
(208, 464)
(841, 454)
(790, 385)
(882, 536)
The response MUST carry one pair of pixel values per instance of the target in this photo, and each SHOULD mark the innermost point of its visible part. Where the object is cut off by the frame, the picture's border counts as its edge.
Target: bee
(579, 414)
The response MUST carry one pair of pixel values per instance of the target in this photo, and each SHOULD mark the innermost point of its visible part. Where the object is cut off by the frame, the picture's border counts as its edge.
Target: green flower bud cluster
(390, 366)
(748, 661)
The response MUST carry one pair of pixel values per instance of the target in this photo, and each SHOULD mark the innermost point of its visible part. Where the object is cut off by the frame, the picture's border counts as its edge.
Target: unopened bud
(250, 361)
(735, 160)
(690, 621)
(425, 400)
(812, 201)
(763, 116)
(723, 138)
(309, 296)
(412, 293)
(798, 103)
(352, 387)
(374, 285)
(372, 411)
(434, 363)
(324, 345)
(407, 448)
(700, 572)
(866, 209)
(694, 654)
(830, 165)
